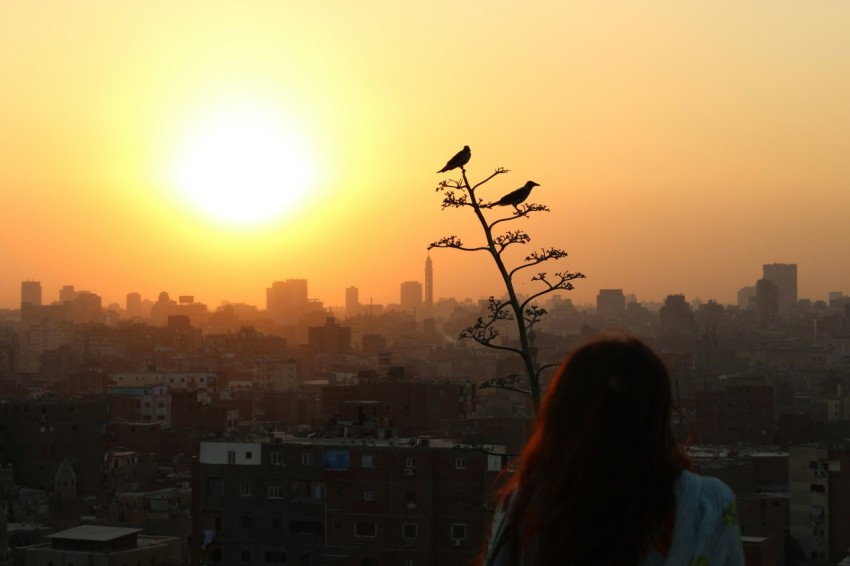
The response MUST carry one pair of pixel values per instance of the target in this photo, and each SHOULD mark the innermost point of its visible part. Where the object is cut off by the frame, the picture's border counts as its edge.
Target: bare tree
(524, 312)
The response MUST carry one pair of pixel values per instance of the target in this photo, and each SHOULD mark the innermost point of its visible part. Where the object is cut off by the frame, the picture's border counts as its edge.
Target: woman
(602, 480)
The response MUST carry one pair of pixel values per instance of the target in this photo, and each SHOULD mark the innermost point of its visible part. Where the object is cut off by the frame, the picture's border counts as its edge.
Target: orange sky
(679, 145)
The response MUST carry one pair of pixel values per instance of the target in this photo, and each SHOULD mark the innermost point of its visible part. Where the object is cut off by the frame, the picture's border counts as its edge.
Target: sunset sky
(209, 148)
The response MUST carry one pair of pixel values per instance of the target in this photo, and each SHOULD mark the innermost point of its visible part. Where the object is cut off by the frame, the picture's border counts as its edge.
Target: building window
(215, 487)
(246, 489)
(246, 556)
(249, 455)
(367, 461)
(410, 496)
(460, 463)
(458, 531)
(307, 459)
(231, 457)
(275, 492)
(369, 495)
(410, 530)
(318, 491)
(409, 562)
(277, 459)
(410, 462)
(365, 529)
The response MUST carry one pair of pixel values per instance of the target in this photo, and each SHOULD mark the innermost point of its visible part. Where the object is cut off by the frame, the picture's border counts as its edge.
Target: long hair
(596, 478)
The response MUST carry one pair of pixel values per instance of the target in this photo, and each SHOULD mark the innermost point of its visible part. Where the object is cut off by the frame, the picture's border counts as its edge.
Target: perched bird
(460, 159)
(516, 197)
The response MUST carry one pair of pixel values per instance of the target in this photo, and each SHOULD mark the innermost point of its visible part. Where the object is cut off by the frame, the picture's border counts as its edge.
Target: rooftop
(93, 533)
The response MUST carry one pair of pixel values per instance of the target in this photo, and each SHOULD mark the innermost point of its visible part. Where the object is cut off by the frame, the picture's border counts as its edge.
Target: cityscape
(307, 283)
(291, 433)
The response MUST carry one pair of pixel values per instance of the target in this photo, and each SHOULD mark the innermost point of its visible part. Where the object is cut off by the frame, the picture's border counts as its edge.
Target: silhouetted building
(67, 294)
(411, 296)
(330, 339)
(820, 509)
(429, 284)
(676, 316)
(740, 412)
(611, 303)
(408, 406)
(101, 546)
(86, 307)
(286, 300)
(784, 276)
(747, 297)
(767, 301)
(163, 308)
(40, 434)
(134, 305)
(346, 501)
(31, 293)
(352, 301)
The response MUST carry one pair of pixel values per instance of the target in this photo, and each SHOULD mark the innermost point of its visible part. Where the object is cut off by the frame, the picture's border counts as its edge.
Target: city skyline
(32, 291)
(679, 148)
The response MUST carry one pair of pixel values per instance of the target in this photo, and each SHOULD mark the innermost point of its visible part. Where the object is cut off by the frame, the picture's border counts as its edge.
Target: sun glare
(243, 167)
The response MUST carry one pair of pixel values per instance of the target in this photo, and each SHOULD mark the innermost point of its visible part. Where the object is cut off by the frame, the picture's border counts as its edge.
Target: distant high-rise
(429, 283)
(611, 303)
(67, 294)
(767, 300)
(747, 297)
(352, 301)
(286, 300)
(676, 316)
(411, 296)
(784, 276)
(31, 293)
(134, 304)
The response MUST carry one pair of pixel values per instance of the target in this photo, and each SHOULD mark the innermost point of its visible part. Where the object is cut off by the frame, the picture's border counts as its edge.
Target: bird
(460, 159)
(516, 197)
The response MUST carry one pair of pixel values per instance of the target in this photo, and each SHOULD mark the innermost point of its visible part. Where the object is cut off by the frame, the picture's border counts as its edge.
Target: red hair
(596, 478)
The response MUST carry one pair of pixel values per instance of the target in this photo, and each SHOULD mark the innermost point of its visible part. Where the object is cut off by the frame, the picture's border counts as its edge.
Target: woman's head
(610, 397)
(598, 471)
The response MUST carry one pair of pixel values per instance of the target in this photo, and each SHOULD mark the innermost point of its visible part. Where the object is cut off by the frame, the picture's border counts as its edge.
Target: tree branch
(502, 241)
(498, 171)
(507, 382)
(563, 283)
(455, 243)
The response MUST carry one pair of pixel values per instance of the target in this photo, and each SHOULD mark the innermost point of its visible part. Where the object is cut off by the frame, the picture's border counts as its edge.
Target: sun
(243, 166)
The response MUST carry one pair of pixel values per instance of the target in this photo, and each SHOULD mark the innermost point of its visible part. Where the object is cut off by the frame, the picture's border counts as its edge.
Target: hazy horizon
(679, 147)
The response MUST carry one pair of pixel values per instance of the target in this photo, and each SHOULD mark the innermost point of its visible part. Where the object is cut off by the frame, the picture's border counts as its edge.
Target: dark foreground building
(408, 502)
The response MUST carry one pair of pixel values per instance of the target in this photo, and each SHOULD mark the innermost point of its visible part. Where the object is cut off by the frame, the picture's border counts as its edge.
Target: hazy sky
(679, 145)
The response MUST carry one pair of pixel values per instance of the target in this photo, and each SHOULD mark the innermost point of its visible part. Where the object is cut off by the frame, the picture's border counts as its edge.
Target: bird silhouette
(460, 159)
(516, 197)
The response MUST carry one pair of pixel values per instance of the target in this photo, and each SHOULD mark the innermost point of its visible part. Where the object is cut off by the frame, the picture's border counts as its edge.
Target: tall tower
(31, 293)
(134, 304)
(429, 284)
(784, 276)
(352, 301)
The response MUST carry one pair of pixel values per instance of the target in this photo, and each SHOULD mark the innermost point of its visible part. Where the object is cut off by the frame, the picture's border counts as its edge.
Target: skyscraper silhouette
(352, 301)
(31, 293)
(784, 276)
(429, 284)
